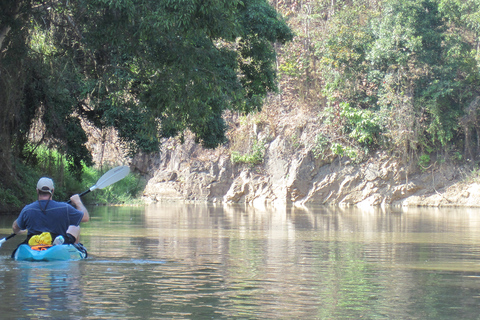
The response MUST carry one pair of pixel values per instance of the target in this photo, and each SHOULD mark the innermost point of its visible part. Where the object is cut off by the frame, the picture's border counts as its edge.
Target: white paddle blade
(6, 238)
(112, 176)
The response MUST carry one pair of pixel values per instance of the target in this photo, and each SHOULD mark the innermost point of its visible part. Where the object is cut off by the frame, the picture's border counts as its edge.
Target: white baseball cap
(45, 185)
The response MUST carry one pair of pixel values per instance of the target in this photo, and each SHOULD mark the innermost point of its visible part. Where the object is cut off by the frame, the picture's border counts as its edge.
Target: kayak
(64, 252)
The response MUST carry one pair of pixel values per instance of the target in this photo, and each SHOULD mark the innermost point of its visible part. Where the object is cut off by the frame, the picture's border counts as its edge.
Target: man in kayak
(47, 219)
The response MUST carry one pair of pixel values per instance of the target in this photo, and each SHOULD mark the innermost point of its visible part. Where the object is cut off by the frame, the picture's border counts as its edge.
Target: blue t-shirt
(48, 216)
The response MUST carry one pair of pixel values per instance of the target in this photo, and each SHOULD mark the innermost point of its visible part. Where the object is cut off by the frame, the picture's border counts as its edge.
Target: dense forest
(397, 75)
(149, 69)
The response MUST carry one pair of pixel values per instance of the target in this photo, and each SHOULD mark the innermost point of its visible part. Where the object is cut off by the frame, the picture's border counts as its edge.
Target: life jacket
(41, 247)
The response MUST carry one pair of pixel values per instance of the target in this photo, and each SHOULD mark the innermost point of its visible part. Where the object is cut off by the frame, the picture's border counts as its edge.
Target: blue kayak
(64, 252)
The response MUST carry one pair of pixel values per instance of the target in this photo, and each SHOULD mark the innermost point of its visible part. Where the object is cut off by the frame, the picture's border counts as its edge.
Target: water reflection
(224, 262)
(323, 257)
(277, 234)
(44, 290)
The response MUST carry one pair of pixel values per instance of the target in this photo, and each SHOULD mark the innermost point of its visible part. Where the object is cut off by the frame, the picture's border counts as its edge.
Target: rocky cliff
(185, 172)
(292, 170)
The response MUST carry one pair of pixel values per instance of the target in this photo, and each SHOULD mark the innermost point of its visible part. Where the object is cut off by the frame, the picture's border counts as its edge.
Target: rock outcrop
(187, 172)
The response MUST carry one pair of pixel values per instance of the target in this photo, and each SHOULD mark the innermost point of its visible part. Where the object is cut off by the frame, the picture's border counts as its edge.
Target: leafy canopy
(148, 68)
(405, 61)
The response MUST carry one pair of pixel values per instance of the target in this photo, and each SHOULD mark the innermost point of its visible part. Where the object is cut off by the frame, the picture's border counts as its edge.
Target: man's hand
(79, 205)
(75, 199)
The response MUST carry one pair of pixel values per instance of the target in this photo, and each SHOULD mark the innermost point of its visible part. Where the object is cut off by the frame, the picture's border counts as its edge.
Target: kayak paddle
(110, 177)
(6, 238)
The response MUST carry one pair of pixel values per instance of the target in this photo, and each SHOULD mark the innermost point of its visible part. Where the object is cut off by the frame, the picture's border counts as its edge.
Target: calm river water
(176, 261)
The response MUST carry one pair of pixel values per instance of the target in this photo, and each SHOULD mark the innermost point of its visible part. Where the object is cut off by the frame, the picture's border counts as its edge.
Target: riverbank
(276, 157)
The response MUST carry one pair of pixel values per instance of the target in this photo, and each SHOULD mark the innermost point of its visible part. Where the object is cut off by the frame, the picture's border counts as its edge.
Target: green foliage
(361, 125)
(424, 161)
(51, 163)
(187, 63)
(406, 63)
(407, 28)
(474, 176)
(20, 193)
(149, 69)
(342, 58)
(123, 191)
(290, 67)
(457, 156)
(7, 197)
(295, 141)
(341, 150)
(252, 158)
(320, 146)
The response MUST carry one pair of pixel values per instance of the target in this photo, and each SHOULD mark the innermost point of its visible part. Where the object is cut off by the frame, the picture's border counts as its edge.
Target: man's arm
(16, 228)
(77, 202)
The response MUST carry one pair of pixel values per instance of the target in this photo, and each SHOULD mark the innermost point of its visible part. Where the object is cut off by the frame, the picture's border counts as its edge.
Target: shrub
(362, 125)
(254, 157)
(320, 146)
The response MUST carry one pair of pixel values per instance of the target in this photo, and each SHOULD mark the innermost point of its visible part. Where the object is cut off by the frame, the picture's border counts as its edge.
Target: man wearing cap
(49, 216)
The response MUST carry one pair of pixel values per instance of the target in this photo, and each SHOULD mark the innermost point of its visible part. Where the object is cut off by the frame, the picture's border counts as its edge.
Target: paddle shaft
(81, 195)
(6, 238)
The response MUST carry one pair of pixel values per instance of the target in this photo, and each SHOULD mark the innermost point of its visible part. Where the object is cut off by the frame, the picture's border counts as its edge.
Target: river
(192, 261)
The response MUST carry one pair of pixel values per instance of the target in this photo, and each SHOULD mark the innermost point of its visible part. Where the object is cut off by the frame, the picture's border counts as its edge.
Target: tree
(148, 68)
(407, 63)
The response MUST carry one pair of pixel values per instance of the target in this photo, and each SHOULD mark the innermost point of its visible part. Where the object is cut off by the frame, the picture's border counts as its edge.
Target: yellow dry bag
(40, 239)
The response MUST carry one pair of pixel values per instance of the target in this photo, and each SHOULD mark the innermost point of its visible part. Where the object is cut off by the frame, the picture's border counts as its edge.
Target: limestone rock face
(187, 172)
